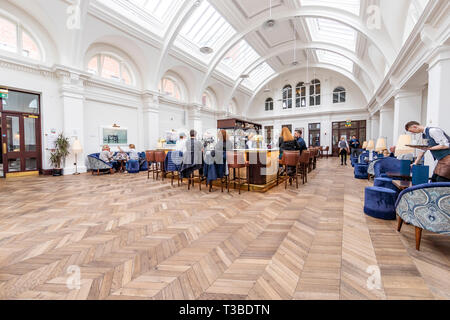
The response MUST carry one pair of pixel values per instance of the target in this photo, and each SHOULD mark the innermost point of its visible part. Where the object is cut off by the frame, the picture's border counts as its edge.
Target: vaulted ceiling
(352, 37)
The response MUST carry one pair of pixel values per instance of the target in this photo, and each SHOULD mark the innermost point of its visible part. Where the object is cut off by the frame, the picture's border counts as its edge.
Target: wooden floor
(138, 239)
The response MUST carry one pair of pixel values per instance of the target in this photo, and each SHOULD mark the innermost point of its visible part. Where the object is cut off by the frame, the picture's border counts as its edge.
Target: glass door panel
(29, 125)
(13, 133)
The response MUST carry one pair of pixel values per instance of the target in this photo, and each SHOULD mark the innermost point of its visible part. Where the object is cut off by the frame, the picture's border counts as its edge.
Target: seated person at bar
(300, 140)
(181, 143)
(193, 157)
(438, 145)
(288, 143)
(223, 145)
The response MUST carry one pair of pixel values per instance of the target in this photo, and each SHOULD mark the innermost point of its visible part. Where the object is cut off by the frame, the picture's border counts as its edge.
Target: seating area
(235, 150)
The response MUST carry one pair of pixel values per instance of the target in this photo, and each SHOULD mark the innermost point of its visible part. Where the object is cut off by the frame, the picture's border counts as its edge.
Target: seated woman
(108, 157)
(133, 156)
(288, 143)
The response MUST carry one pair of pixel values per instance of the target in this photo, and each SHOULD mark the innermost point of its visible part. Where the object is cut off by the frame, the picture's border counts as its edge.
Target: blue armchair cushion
(386, 165)
(380, 203)
(426, 206)
(385, 183)
(361, 171)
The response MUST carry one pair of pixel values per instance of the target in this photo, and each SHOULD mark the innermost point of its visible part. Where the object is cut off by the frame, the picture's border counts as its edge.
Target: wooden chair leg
(400, 224)
(239, 174)
(248, 179)
(418, 238)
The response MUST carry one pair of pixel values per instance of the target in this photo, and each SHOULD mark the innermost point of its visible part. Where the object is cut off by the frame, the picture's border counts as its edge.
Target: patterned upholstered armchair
(427, 207)
(95, 164)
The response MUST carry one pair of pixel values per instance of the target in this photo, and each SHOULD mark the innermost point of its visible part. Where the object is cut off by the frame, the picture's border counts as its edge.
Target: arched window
(314, 93)
(269, 104)
(110, 67)
(169, 87)
(339, 95)
(287, 97)
(300, 95)
(14, 38)
(208, 99)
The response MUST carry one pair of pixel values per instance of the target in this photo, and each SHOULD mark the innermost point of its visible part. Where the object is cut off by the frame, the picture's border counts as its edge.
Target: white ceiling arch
(334, 68)
(376, 38)
(372, 75)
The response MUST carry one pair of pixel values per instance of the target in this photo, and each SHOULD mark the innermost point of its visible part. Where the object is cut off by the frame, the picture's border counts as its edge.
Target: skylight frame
(335, 59)
(352, 6)
(330, 31)
(239, 58)
(258, 75)
(156, 8)
(206, 27)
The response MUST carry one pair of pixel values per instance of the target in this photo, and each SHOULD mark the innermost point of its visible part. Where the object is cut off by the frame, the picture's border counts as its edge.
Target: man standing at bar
(438, 145)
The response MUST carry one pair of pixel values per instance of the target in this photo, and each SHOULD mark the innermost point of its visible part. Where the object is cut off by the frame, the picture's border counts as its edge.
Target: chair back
(291, 158)
(160, 156)
(327, 149)
(150, 156)
(304, 158)
(236, 159)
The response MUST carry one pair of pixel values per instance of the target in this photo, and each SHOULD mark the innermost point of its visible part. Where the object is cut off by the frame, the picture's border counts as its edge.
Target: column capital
(407, 93)
(150, 102)
(440, 54)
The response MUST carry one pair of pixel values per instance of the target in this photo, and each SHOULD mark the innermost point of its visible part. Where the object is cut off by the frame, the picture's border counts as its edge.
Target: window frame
(341, 94)
(315, 99)
(287, 97)
(123, 66)
(300, 95)
(20, 30)
(269, 104)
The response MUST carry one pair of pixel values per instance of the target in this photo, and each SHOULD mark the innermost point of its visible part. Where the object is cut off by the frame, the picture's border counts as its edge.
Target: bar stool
(150, 157)
(192, 177)
(291, 160)
(327, 149)
(311, 160)
(303, 163)
(160, 158)
(236, 160)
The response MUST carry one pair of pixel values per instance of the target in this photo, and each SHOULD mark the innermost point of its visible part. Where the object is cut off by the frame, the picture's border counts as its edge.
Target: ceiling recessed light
(245, 76)
(206, 50)
(295, 63)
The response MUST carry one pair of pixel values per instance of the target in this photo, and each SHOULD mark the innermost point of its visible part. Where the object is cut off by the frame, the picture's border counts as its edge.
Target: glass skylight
(334, 59)
(157, 8)
(257, 76)
(352, 6)
(239, 58)
(325, 30)
(207, 28)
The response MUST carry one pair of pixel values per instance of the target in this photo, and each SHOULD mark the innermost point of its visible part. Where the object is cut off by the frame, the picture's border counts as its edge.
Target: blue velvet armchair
(427, 207)
(97, 165)
(385, 165)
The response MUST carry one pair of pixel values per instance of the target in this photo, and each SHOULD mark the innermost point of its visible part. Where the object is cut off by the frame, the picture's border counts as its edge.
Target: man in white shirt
(438, 145)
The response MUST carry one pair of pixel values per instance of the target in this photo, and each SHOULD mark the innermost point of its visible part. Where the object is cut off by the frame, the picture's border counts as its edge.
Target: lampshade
(371, 145)
(381, 145)
(401, 147)
(76, 147)
(365, 145)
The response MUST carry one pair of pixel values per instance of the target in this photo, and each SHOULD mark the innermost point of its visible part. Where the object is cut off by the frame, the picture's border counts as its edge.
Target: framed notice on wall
(114, 136)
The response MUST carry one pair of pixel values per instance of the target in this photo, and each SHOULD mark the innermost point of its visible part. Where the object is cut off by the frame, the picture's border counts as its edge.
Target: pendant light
(269, 24)
(295, 62)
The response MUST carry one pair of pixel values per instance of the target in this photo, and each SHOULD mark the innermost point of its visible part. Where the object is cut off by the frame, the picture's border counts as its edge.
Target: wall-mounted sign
(348, 124)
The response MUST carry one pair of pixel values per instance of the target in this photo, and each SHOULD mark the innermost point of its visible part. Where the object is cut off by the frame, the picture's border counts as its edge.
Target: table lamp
(371, 147)
(402, 143)
(364, 146)
(381, 145)
(76, 149)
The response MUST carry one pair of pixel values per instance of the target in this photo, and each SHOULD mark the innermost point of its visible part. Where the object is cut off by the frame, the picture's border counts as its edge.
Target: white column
(386, 124)
(195, 120)
(72, 99)
(438, 113)
(151, 121)
(375, 128)
(407, 107)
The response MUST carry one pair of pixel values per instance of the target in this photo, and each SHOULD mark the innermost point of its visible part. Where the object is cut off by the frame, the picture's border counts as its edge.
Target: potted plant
(59, 154)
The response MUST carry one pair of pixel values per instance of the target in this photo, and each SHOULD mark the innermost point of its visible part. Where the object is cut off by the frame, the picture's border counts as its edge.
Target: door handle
(4, 148)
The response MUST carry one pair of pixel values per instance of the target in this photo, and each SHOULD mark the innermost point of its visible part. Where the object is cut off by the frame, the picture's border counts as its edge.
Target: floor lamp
(76, 149)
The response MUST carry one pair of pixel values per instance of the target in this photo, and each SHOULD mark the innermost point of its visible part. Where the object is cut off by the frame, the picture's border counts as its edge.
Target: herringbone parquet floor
(137, 239)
